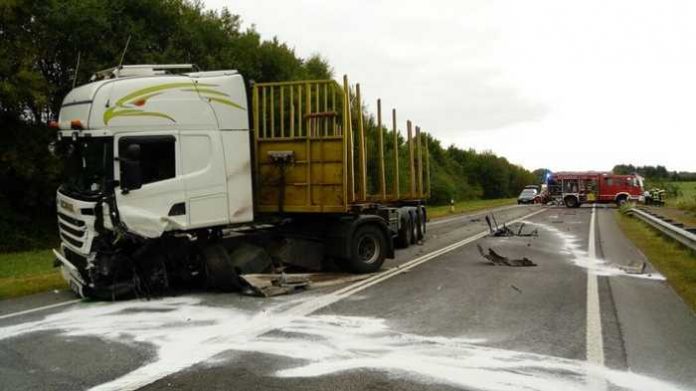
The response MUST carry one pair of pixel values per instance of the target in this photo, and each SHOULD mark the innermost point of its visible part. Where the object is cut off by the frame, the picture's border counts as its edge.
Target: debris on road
(500, 260)
(506, 231)
(634, 269)
(516, 288)
(268, 285)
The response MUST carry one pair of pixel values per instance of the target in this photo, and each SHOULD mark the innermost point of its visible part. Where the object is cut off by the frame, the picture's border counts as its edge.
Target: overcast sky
(565, 85)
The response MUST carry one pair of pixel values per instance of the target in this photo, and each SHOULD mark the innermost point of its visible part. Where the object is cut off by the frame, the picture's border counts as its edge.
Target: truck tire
(404, 238)
(414, 227)
(368, 249)
(620, 200)
(420, 227)
(219, 270)
(571, 202)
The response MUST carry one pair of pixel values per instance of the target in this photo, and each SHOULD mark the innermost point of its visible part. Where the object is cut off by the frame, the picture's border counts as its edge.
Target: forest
(42, 41)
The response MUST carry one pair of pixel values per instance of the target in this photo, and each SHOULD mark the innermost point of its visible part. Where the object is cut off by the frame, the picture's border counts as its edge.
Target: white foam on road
(186, 332)
(571, 245)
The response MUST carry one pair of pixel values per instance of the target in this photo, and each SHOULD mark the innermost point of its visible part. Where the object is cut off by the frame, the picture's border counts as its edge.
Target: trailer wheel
(414, 227)
(368, 249)
(219, 271)
(420, 227)
(404, 236)
(571, 202)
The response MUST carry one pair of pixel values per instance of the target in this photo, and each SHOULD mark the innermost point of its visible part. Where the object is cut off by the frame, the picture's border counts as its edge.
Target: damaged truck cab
(168, 185)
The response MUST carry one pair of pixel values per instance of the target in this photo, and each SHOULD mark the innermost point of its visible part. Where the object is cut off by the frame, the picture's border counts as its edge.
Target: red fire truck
(577, 188)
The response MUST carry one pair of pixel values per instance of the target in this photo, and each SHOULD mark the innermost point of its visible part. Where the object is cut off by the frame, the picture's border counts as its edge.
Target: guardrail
(677, 233)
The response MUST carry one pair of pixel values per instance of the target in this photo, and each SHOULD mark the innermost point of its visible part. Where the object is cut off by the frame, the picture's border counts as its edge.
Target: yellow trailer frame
(305, 156)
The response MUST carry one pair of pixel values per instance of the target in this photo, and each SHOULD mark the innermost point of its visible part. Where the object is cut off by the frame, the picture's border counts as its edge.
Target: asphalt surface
(440, 317)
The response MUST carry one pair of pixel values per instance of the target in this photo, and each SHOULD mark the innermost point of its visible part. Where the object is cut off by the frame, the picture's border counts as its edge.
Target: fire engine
(576, 188)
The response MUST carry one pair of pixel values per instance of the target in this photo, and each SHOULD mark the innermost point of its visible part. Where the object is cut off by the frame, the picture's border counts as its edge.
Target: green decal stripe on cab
(226, 102)
(142, 95)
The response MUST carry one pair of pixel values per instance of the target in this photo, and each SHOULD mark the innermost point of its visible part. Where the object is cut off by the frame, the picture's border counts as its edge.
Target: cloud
(608, 76)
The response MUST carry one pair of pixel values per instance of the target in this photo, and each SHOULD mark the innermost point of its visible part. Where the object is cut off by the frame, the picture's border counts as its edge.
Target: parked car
(527, 196)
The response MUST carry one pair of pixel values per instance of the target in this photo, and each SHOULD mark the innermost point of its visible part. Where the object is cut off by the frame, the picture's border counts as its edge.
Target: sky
(580, 85)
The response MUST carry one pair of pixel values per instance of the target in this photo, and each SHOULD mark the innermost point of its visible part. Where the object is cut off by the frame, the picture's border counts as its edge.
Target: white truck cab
(191, 132)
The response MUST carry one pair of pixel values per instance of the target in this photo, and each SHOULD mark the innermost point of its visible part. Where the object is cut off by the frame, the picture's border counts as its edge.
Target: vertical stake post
(382, 174)
(411, 167)
(361, 153)
(396, 156)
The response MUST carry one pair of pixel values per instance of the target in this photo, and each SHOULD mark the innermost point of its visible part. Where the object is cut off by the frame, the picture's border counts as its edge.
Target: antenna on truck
(77, 68)
(123, 55)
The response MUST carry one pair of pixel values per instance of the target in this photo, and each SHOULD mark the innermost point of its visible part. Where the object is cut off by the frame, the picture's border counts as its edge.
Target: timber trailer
(168, 185)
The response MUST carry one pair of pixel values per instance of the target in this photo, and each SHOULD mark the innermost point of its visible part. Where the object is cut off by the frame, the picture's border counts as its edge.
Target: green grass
(686, 200)
(24, 273)
(468, 206)
(673, 260)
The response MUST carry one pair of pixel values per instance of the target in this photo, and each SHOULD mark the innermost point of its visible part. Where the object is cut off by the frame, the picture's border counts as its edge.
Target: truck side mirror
(131, 174)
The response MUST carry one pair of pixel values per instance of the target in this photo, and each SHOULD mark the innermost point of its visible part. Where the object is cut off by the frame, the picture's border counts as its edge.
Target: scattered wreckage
(504, 231)
(500, 260)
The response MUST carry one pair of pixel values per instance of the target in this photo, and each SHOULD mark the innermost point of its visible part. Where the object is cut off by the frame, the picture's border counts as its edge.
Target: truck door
(607, 190)
(158, 204)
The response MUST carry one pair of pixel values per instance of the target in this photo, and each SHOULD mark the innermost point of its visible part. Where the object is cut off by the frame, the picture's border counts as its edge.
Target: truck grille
(76, 259)
(72, 231)
(71, 220)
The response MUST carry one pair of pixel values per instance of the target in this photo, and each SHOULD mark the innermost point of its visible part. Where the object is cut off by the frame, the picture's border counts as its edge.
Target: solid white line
(37, 309)
(470, 215)
(307, 308)
(594, 341)
(332, 297)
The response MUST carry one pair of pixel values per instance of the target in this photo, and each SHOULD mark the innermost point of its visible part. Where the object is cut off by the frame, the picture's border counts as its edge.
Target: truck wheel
(420, 228)
(368, 249)
(621, 200)
(219, 270)
(571, 202)
(403, 239)
(414, 228)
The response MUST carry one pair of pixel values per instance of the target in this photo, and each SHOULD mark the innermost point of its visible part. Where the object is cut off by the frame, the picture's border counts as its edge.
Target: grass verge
(27, 272)
(468, 206)
(669, 257)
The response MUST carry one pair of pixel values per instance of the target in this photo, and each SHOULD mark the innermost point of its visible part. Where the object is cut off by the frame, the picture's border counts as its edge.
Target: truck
(177, 177)
(576, 188)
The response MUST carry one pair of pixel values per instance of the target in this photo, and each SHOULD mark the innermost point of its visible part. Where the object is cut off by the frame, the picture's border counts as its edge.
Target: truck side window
(157, 156)
(608, 181)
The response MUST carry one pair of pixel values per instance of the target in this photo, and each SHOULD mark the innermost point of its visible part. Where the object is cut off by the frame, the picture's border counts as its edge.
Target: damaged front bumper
(71, 273)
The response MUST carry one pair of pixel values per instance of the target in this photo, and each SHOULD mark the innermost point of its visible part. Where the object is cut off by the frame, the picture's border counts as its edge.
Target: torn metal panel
(500, 260)
(640, 269)
(268, 285)
(505, 231)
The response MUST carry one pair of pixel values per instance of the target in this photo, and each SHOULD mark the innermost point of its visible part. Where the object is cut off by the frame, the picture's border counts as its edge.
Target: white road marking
(151, 373)
(333, 297)
(594, 341)
(37, 309)
(264, 322)
(464, 216)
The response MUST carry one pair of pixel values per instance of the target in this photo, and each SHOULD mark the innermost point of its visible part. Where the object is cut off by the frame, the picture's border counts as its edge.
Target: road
(439, 317)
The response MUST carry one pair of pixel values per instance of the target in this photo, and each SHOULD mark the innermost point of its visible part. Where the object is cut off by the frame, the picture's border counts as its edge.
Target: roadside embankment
(674, 261)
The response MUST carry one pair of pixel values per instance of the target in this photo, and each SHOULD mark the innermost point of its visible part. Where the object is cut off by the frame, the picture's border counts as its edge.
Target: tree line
(655, 173)
(41, 42)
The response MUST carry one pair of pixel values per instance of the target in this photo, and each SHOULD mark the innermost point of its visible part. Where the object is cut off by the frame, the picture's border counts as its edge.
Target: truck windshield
(88, 164)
